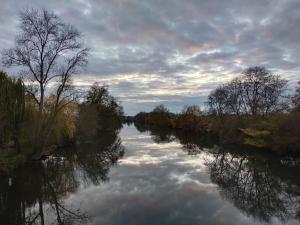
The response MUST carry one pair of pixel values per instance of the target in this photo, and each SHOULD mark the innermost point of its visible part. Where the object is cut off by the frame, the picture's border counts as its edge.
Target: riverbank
(278, 133)
(74, 122)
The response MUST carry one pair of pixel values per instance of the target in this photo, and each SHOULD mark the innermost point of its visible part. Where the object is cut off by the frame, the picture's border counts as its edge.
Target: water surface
(156, 177)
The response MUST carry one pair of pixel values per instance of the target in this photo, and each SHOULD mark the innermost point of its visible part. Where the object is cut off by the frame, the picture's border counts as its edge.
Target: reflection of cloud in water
(158, 184)
(150, 153)
(135, 137)
(186, 178)
(140, 160)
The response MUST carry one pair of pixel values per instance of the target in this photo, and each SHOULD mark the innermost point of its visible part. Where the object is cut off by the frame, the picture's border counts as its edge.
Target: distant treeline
(252, 109)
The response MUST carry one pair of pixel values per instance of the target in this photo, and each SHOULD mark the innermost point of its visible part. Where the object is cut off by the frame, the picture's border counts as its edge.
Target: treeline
(252, 109)
(191, 118)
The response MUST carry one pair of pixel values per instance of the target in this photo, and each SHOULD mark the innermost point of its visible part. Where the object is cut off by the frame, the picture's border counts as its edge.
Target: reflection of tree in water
(262, 186)
(141, 127)
(192, 143)
(253, 185)
(96, 158)
(158, 135)
(32, 191)
(37, 191)
(162, 136)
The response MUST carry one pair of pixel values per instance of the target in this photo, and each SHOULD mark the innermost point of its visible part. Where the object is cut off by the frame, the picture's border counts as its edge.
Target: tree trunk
(41, 211)
(38, 145)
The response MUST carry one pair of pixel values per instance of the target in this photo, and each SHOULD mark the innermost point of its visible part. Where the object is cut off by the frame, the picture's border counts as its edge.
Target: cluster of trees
(44, 113)
(252, 109)
(99, 113)
(160, 116)
(189, 119)
(256, 92)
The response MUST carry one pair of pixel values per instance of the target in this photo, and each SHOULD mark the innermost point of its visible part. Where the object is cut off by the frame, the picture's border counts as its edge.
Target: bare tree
(256, 92)
(235, 102)
(192, 110)
(161, 109)
(262, 91)
(253, 80)
(50, 52)
(217, 101)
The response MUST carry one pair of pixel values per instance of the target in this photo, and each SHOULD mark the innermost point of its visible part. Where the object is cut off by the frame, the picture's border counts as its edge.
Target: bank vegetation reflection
(261, 185)
(42, 187)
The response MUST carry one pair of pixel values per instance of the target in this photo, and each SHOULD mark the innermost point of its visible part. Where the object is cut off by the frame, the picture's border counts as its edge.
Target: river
(142, 177)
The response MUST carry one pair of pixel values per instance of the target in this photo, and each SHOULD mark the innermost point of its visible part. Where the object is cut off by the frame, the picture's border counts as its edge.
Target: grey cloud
(175, 40)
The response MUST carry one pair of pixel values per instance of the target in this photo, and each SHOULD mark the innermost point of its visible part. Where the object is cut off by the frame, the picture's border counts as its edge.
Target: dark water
(156, 177)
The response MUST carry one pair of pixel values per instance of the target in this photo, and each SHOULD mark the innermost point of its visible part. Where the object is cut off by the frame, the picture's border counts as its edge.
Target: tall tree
(49, 51)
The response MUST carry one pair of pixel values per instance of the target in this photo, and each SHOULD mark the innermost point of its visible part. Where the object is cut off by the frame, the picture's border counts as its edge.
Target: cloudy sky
(173, 52)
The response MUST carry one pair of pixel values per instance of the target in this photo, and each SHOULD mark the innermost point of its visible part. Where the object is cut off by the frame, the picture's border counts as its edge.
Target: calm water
(141, 177)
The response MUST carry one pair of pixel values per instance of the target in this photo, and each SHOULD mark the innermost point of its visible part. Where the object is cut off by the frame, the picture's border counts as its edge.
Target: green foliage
(12, 107)
(99, 113)
(64, 129)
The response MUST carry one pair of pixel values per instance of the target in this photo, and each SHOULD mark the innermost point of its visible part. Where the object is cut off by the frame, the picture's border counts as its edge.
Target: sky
(172, 52)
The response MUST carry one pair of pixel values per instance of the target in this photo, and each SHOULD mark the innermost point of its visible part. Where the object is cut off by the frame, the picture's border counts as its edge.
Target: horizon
(172, 52)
